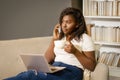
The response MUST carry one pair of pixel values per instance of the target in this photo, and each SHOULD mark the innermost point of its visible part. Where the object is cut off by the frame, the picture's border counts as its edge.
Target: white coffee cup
(59, 44)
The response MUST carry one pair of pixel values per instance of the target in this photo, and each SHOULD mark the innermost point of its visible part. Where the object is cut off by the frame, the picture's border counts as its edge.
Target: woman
(76, 53)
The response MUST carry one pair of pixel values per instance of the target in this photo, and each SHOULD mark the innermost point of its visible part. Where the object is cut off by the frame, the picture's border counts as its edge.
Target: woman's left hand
(69, 47)
(56, 32)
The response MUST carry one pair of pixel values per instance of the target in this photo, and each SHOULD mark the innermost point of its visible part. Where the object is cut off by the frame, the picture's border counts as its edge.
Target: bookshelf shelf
(107, 43)
(103, 17)
(114, 71)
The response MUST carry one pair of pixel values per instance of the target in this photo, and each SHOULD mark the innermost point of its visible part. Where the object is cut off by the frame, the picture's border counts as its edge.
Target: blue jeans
(69, 73)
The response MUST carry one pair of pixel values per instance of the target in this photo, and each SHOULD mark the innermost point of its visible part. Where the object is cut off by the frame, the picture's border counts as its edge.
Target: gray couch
(11, 64)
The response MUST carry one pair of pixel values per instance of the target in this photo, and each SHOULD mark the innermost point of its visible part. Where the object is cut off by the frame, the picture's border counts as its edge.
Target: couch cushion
(10, 61)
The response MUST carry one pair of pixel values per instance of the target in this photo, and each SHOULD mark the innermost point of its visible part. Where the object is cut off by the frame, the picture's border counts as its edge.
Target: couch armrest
(101, 72)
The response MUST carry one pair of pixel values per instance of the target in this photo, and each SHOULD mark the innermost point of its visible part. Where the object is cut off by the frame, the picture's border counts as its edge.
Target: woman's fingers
(56, 32)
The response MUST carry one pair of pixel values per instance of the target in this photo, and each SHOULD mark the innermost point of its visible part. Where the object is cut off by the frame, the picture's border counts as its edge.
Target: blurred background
(30, 18)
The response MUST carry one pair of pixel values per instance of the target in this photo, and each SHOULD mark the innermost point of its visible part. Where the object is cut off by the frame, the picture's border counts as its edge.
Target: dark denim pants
(69, 73)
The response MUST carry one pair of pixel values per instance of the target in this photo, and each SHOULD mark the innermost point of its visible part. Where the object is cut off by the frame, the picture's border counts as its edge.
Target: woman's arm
(87, 59)
(49, 54)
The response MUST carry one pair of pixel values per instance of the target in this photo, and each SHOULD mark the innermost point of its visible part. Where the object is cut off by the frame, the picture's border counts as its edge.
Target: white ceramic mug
(59, 44)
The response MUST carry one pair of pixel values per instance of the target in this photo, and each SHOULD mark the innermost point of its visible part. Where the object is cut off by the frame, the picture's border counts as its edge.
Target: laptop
(38, 62)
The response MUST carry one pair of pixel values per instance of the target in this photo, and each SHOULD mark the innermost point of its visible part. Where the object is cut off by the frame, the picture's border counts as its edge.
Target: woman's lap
(69, 73)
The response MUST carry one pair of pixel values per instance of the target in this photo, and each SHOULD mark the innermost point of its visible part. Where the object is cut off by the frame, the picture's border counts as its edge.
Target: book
(102, 57)
(111, 58)
(115, 8)
(118, 8)
(98, 33)
(118, 63)
(106, 58)
(89, 26)
(116, 60)
(109, 8)
(95, 8)
(85, 7)
(118, 34)
(93, 33)
(111, 34)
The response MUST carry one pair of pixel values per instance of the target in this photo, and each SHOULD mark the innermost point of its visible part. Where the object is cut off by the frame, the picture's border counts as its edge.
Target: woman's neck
(68, 38)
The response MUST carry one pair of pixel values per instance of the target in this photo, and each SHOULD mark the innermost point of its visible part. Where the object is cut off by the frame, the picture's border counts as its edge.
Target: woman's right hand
(56, 33)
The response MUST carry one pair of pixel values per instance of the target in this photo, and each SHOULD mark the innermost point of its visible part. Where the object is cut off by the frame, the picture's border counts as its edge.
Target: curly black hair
(79, 18)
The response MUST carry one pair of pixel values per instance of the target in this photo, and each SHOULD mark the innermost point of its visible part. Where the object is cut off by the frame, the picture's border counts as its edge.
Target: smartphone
(59, 29)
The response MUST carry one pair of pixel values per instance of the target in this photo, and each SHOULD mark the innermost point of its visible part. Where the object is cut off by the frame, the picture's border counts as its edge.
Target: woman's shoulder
(85, 36)
(87, 40)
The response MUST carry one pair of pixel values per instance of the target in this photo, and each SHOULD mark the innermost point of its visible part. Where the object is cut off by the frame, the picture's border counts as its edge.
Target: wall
(29, 18)
(77, 4)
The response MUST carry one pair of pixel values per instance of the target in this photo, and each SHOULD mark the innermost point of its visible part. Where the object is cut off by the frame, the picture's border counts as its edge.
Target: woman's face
(68, 24)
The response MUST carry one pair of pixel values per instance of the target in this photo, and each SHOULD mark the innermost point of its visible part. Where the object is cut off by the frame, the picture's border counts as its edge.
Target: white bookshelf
(107, 43)
(104, 19)
(114, 71)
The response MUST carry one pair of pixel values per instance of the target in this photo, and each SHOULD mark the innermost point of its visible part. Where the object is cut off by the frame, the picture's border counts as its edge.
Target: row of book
(101, 7)
(106, 33)
(110, 58)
